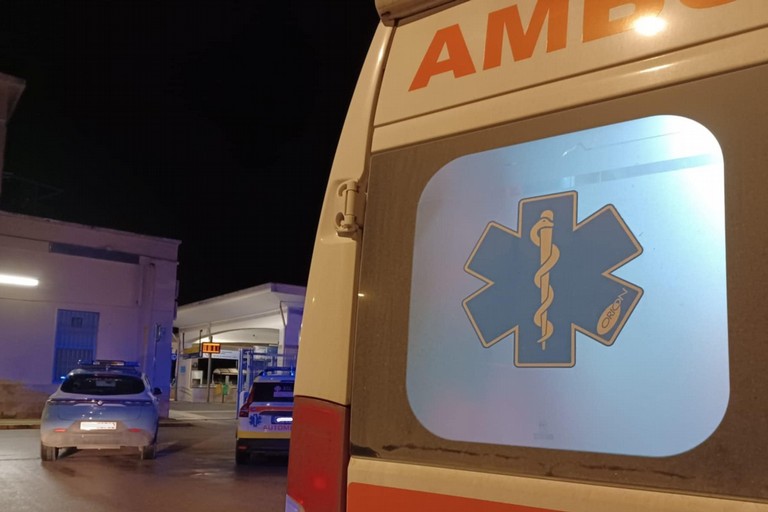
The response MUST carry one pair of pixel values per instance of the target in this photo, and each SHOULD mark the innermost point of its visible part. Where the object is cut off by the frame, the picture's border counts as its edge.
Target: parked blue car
(101, 405)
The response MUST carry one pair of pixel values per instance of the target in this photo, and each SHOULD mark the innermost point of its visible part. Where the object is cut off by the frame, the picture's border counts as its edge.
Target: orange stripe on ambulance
(600, 21)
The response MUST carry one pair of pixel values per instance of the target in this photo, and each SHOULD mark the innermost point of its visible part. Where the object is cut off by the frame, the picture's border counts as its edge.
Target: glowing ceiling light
(18, 280)
(649, 25)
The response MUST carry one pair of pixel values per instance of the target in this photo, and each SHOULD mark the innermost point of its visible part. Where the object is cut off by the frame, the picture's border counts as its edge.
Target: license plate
(98, 425)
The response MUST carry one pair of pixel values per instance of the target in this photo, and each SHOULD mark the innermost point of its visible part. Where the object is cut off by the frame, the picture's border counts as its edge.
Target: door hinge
(349, 221)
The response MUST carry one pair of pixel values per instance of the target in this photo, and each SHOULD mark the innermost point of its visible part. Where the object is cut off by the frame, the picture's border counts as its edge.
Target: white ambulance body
(538, 278)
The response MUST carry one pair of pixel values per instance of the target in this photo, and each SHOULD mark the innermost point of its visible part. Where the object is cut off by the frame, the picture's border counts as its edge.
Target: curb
(32, 424)
(19, 426)
(174, 423)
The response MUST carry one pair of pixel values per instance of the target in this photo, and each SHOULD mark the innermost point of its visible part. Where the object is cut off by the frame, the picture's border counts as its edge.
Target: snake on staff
(549, 254)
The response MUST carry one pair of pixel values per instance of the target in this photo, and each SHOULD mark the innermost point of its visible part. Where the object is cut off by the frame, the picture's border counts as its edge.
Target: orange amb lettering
(459, 61)
(448, 51)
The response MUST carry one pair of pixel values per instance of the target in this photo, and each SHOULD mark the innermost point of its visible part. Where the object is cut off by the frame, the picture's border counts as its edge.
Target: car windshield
(99, 384)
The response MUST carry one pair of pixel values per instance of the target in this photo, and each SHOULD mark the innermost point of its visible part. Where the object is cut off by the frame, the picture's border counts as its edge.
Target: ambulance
(266, 414)
(538, 282)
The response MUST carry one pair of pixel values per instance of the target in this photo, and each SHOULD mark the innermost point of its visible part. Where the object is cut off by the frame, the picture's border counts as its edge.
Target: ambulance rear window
(570, 285)
(272, 392)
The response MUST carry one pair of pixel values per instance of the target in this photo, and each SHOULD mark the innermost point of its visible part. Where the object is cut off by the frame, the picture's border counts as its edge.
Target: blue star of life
(551, 278)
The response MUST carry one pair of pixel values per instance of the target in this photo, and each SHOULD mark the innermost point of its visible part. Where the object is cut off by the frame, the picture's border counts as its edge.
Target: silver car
(101, 405)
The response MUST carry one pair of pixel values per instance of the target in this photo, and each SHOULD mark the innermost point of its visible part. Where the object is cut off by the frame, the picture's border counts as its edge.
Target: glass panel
(272, 392)
(570, 293)
(102, 385)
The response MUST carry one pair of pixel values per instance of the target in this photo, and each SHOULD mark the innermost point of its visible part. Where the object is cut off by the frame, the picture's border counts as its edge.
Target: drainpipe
(10, 92)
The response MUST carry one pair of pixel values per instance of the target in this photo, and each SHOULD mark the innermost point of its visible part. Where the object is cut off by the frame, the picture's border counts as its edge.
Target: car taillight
(317, 463)
(244, 410)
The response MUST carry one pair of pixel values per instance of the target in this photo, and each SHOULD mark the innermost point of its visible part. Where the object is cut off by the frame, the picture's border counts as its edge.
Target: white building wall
(135, 300)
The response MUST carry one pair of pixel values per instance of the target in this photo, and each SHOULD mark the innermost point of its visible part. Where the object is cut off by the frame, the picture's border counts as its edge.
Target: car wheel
(48, 453)
(148, 452)
(242, 458)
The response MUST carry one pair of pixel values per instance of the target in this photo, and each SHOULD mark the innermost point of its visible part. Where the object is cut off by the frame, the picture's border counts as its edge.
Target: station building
(70, 292)
(213, 336)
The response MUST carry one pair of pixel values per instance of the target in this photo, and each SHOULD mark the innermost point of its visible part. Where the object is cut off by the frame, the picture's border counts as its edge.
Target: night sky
(212, 122)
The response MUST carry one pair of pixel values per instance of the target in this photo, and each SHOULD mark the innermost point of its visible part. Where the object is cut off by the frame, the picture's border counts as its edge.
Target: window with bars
(76, 333)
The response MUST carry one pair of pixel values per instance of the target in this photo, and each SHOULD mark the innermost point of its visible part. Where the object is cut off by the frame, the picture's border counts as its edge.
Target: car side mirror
(157, 391)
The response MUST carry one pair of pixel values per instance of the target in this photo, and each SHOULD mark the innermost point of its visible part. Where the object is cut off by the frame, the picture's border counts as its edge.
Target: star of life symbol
(551, 278)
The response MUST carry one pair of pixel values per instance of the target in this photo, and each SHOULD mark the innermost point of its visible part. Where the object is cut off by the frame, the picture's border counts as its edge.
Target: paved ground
(181, 413)
(202, 411)
(195, 471)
